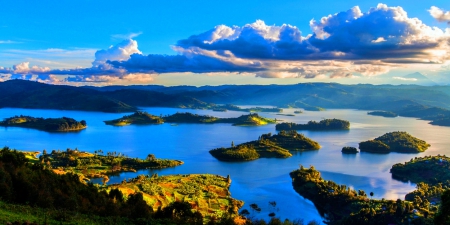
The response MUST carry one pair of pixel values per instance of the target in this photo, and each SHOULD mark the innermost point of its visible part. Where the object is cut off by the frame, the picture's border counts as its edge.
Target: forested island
(232, 107)
(313, 108)
(349, 150)
(136, 118)
(428, 169)
(340, 204)
(49, 124)
(383, 113)
(326, 124)
(252, 119)
(98, 164)
(397, 141)
(267, 146)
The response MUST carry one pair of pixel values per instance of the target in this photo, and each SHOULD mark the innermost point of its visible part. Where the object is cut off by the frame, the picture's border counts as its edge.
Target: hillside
(394, 142)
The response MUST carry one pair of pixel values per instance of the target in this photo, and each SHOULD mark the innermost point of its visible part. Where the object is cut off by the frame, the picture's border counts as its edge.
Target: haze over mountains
(415, 79)
(430, 103)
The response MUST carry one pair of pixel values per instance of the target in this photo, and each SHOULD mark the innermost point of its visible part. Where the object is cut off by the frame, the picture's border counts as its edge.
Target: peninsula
(394, 142)
(267, 146)
(326, 124)
(383, 113)
(49, 124)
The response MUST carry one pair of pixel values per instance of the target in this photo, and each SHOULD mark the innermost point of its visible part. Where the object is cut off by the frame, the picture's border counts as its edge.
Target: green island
(136, 118)
(33, 193)
(89, 165)
(283, 114)
(207, 194)
(313, 108)
(383, 113)
(232, 107)
(428, 169)
(398, 141)
(252, 119)
(340, 204)
(49, 124)
(349, 150)
(326, 124)
(267, 146)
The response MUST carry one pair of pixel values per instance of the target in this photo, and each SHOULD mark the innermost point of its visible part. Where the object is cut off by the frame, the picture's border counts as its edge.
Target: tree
(232, 144)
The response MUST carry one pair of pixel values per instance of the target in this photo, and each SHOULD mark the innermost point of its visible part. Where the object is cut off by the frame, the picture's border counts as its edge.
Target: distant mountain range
(414, 78)
(430, 103)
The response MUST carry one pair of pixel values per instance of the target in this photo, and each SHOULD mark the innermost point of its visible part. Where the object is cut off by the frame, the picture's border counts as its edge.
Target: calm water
(259, 181)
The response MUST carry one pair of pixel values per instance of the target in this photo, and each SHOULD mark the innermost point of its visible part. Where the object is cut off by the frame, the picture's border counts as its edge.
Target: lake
(258, 181)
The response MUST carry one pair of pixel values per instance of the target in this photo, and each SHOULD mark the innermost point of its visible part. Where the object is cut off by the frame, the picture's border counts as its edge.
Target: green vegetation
(49, 124)
(428, 169)
(394, 142)
(342, 205)
(383, 113)
(135, 118)
(31, 192)
(313, 108)
(326, 124)
(98, 165)
(349, 150)
(207, 194)
(252, 109)
(267, 146)
(251, 119)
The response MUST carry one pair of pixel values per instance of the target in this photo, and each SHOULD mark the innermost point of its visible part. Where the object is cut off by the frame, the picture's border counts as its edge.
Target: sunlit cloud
(347, 44)
(439, 14)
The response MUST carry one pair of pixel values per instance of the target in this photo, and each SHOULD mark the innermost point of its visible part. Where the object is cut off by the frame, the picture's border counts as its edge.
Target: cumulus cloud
(439, 14)
(342, 45)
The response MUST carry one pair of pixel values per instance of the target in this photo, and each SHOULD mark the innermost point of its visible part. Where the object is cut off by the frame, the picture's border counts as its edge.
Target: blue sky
(60, 37)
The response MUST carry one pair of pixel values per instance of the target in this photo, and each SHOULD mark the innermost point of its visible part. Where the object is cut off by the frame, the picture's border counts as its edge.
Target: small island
(49, 124)
(383, 113)
(313, 108)
(232, 107)
(136, 118)
(326, 124)
(97, 164)
(267, 146)
(207, 194)
(298, 111)
(349, 150)
(394, 142)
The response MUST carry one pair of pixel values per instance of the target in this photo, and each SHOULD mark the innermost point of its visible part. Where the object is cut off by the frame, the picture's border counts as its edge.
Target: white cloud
(405, 78)
(439, 14)
(125, 36)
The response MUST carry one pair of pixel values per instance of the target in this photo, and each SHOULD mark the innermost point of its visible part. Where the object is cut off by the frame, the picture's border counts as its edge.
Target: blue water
(258, 181)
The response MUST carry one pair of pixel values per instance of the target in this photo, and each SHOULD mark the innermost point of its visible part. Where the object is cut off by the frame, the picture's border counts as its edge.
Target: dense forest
(136, 118)
(394, 142)
(349, 150)
(383, 113)
(49, 124)
(267, 146)
(326, 124)
(343, 205)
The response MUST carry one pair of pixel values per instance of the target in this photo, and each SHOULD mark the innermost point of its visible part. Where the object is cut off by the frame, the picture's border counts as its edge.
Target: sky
(196, 42)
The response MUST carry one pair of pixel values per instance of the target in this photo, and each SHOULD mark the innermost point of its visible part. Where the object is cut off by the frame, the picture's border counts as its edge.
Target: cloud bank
(342, 45)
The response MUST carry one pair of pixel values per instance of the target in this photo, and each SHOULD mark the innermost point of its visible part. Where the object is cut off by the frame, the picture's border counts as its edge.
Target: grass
(207, 194)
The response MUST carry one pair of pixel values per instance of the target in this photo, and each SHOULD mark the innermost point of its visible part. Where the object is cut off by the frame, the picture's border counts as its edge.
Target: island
(136, 118)
(313, 108)
(49, 124)
(326, 124)
(349, 150)
(207, 194)
(383, 113)
(252, 119)
(397, 141)
(232, 107)
(267, 146)
(298, 111)
(340, 204)
(97, 164)
(428, 169)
